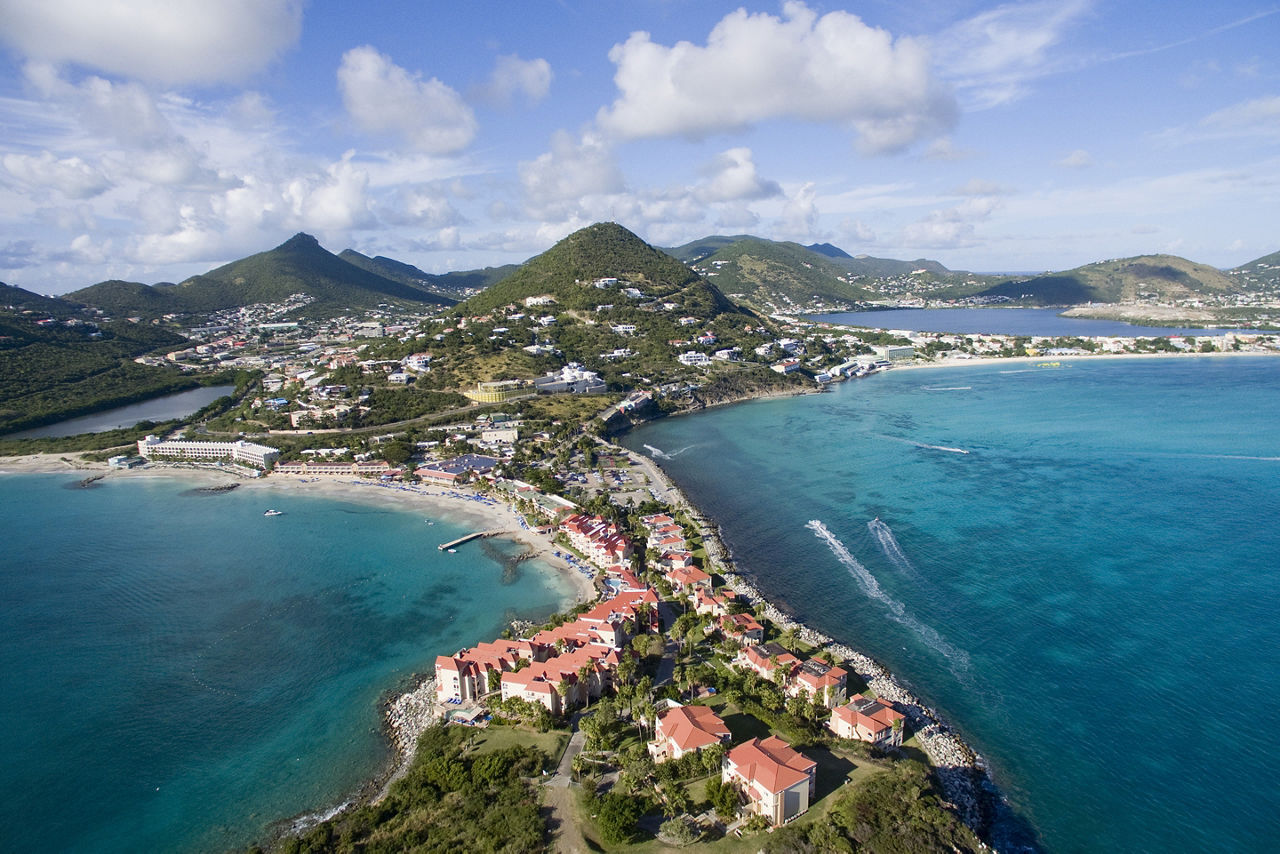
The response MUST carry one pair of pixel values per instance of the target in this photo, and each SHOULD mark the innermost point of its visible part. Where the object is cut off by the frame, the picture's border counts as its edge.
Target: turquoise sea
(1079, 567)
(179, 672)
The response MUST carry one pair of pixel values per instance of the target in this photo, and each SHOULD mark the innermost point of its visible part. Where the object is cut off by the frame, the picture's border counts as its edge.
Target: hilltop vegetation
(451, 286)
(297, 266)
(780, 276)
(566, 272)
(1161, 277)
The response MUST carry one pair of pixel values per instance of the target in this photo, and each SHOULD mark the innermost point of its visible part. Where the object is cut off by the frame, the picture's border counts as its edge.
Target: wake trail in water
(888, 543)
(924, 445)
(897, 610)
(657, 453)
(946, 388)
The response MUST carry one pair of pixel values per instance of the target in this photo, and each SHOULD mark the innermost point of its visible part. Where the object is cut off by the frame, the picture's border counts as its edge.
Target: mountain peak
(301, 240)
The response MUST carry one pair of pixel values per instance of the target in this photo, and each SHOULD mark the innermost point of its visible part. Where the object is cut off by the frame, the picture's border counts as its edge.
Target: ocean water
(179, 672)
(1079, 567)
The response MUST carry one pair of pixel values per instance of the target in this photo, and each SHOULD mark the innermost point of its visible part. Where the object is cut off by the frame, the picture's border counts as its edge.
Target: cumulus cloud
(949, 228)
(514, 76)
(799, 220)
(70, 176)
(1078, 159)
(733, 177)
(382, 97)
(557, 181)
(757, 67)
(17, 254)
(995, 53)
(161, 41)
(980, 187)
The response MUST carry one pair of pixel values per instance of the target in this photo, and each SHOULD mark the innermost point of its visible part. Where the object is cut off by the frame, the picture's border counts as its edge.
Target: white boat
(274, 513)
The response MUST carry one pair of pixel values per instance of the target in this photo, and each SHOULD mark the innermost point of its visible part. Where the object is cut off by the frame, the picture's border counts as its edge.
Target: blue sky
(150, 140)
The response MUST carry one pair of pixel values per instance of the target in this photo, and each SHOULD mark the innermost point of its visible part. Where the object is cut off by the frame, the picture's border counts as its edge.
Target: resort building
(686, 729)
(771, 661)
(369, 468)
(559, 682)
(820, 682)
(246, 453)
(778, 782)
(602, 542)
(465, 675)
(571, 378)
(868, 720)
(743, 629)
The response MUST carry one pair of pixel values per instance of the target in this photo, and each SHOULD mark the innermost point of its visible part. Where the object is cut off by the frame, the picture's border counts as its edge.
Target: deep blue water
(1090, 593)
(178, 405)
(178, 671)
(1005, 321)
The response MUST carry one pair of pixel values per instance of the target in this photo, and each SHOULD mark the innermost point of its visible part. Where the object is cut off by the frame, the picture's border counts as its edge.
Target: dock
(466, 539)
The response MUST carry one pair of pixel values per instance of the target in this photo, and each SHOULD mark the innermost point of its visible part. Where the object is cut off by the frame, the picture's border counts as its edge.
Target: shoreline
(961, 771)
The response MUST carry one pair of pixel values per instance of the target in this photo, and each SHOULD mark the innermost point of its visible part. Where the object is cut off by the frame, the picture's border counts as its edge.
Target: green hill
(299, 265)
(567, 271)
(19, 300)
(1163, 277)
(697, 250)
(780, 276)
(1261, 274)
(127, 299)
(452, 286)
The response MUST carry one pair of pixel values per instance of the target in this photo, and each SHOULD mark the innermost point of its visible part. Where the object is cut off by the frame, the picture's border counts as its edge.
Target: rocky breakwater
(407, 716)
(960, 771)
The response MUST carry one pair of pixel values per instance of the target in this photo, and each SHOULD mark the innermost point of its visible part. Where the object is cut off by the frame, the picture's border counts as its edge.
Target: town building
(778, 782)
(868, 720)
(686, 729)
(240, 451)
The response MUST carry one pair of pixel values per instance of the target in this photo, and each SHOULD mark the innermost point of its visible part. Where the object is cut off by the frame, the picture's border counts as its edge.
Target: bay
(179, 672)
(1077, 566)
(1007, 321)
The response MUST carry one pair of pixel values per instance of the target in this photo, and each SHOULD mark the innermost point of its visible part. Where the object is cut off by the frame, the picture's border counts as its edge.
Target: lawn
(489, 739)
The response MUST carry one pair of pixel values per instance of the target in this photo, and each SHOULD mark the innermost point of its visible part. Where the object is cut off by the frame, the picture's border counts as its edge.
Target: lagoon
(1005, 321)
(166, 408)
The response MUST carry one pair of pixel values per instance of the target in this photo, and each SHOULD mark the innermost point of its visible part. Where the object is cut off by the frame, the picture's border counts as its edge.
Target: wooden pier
(466, 539)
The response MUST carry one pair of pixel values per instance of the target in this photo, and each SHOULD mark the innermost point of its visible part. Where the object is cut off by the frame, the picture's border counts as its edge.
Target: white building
(238, 452)
(694, 359)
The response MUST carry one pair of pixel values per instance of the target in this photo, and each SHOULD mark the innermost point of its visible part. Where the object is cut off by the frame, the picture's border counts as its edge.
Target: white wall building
(239, 451)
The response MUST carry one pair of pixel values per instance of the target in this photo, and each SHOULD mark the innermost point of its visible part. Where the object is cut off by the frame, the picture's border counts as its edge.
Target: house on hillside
(686, 729)
(778, 782)
(868, 720)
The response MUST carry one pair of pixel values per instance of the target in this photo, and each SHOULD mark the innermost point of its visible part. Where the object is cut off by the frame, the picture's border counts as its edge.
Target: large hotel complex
(246, 453)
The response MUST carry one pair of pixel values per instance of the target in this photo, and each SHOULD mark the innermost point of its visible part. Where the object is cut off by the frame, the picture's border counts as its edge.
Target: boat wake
(958, 657)
(946, 388)
(658, 453)
(888, 543)
(925, 445)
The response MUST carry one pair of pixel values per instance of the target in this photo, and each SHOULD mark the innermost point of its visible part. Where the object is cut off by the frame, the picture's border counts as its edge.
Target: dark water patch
(92, 482)
(206, 491)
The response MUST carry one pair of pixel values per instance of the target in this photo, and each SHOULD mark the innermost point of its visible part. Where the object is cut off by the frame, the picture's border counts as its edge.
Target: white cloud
(70, 176)
(556, 182)
(514, 76)
(382, 97)
(799, 220)
(857, 231)
(980, 187)
(995, 53)
(732, 177)
(1261, 116)
(754, 68)
(162, 41)
(1078, 159)
(951, 227)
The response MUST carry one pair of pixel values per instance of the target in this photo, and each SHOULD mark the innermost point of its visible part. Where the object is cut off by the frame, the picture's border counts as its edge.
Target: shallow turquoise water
(1089, 593)
(179, 672)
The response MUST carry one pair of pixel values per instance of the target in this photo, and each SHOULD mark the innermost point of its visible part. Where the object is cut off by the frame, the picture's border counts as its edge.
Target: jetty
(466, 539)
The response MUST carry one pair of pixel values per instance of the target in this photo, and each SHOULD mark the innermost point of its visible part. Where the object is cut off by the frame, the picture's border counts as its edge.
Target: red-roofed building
(820, 682)
(676, 558)
(686, 729)
(742, 628)
(602, 542)
(770, 661)
(465, 675)
(777, 781)
(686, 579)
(706, 602)
(868, 720)
(542, 682)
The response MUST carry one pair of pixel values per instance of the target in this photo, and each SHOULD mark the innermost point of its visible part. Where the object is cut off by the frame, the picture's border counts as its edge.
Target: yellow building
(496, 392)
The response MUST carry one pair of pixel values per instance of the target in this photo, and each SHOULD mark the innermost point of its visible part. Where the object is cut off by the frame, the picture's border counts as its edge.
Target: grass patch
(494, 738)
